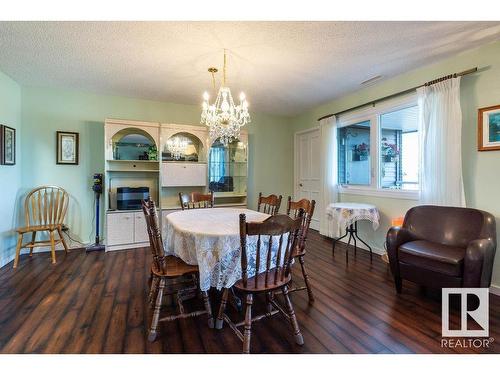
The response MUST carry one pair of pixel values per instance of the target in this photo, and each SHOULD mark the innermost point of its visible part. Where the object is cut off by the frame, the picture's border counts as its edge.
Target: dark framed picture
(7, 145)
(67, 148)
(488, 120)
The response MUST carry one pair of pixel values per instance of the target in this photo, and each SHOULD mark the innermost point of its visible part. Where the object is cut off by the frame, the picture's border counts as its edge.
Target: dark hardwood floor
(96, 303)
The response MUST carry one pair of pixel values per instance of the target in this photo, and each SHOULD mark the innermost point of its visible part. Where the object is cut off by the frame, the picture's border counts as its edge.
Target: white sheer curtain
(440, 121)
(328, 178)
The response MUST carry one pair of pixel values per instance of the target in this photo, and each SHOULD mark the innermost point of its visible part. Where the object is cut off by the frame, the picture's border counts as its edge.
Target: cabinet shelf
(133, 170)
(131, 161)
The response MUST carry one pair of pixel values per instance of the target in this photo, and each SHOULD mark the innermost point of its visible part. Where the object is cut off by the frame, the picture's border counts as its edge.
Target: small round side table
(346, 215)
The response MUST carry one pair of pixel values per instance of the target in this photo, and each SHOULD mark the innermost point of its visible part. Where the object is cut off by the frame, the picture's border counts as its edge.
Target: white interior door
(307, 167)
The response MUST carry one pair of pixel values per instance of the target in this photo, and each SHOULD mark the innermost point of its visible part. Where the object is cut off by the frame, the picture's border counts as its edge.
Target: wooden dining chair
(44, 211)
(293, 209)
(270, 204)
(282, 231)
(181, 277)
(196, 200)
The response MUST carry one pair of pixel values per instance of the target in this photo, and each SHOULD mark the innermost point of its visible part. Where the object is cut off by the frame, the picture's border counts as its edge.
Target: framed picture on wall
(67, 148)
(489, 128)
(7, 145)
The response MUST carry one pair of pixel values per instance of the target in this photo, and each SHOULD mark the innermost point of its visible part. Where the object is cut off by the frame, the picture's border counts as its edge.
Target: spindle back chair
(269, 205)
(173, 269)
(45, 209)
(276, 237)
(293, 209)
(196, 200)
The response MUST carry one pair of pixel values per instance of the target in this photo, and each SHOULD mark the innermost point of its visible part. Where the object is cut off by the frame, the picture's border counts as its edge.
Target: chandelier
(177, 147)
(223, 118)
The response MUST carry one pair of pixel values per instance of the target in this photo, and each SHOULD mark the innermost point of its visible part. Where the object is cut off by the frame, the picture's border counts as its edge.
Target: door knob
(301, 185)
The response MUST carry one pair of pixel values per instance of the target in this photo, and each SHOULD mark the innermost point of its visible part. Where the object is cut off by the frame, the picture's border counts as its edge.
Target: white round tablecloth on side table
(341, 215)
(210, 238)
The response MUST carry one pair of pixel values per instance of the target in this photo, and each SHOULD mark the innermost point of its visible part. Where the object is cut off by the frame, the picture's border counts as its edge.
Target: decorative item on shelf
(223, 118)
(7, 145)
(360, 152)
(489, 128)
(177, 147)
(390, 151)
(67, 148)
(152, 153)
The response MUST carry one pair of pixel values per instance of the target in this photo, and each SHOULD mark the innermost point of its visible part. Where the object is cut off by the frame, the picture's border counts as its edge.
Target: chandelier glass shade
(177, 147)
(223, 118)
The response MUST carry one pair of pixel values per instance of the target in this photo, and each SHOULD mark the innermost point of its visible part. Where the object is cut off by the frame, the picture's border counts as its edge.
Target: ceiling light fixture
(371, 80)
(223, 118)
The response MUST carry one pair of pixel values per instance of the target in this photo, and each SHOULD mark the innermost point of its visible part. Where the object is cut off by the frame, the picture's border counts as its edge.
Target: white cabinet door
(120, 228)
(140, 230)
(308, 170)
(184, 174)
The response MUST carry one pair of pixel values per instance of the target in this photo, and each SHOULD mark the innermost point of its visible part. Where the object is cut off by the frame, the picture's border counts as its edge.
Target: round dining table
(210, 238)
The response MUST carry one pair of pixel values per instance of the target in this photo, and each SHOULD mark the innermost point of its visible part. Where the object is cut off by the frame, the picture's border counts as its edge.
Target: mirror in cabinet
(183, 147)
(134, 144)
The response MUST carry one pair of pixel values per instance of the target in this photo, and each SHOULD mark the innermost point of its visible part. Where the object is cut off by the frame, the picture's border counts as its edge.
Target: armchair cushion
(435, 257)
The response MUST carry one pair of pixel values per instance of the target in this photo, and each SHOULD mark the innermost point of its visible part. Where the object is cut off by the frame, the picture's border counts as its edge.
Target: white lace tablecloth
(210, 238)
(342, 215)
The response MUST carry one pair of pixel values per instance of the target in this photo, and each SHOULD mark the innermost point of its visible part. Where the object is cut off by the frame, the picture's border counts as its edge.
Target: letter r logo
(478, 313)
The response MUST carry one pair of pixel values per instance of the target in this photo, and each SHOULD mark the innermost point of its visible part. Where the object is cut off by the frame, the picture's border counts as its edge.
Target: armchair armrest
(396, 236)
(478, 263)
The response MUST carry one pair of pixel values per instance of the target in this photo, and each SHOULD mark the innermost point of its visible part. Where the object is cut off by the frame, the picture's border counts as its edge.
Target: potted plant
(360, 152)
(390, 151)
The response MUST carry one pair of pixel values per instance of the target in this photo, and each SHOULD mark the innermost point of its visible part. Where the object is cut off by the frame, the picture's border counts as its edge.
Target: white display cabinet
(168, 159)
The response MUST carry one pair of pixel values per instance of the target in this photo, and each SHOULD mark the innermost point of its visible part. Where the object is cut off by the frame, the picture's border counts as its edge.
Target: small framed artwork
(67, 148)
(7, 145)
(488, 119)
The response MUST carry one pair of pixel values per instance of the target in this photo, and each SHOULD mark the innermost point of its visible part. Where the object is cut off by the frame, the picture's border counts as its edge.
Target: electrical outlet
(65, 228)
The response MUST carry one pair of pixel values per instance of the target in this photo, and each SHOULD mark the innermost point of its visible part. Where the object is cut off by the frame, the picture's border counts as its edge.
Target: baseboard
(360, 245)
(495, 289)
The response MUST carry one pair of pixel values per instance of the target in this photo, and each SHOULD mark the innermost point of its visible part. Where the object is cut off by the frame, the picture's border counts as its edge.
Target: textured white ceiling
(283, 67)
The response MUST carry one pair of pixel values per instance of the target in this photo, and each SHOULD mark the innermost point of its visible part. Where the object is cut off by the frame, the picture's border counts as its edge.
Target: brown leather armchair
(443, 247)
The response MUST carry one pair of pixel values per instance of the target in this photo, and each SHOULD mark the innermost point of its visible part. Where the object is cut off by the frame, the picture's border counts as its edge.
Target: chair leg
(152, 290)
(220, 320)
(63, 241)
(18, 249)
(293, 319)
(399, 284)
(33, 239)
(52, 247)
(306, 279)
(247, 333)
(156, 313)
(208, 308)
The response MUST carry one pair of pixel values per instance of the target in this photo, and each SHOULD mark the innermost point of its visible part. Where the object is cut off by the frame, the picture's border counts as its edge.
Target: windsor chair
(196, 200)
(293, 209)
(181, 276)
(284, 230)
(44, 211)
(270, 204)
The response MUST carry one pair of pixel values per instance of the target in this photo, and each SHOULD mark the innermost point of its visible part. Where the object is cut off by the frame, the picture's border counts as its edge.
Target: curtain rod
(373, 102)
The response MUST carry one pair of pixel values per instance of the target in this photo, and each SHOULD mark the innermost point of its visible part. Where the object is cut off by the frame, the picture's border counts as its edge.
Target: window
(399, 152)
(378, 149)
(354, 154)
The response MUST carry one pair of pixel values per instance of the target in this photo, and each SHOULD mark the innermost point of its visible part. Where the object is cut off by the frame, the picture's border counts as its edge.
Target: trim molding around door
(296, 157)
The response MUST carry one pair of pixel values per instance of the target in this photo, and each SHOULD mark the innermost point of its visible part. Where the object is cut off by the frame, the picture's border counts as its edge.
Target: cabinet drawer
(119, 228)
(184, 174)
(140, 229)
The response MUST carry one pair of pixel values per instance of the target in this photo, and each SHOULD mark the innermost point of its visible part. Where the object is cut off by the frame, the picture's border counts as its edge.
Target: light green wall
(10, 176)
(47, 110)
(480, 170)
